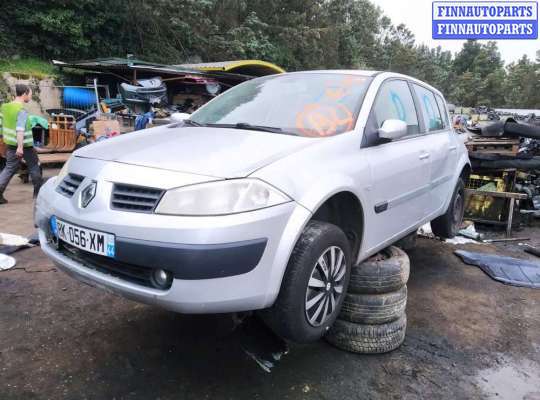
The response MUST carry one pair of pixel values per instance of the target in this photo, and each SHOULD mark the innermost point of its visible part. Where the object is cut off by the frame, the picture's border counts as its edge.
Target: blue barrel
(79, 98)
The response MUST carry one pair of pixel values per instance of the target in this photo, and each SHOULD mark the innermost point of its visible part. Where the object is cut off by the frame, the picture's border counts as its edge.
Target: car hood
(218, 152)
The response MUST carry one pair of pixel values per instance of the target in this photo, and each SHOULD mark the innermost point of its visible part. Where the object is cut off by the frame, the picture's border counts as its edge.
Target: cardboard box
(105, 128)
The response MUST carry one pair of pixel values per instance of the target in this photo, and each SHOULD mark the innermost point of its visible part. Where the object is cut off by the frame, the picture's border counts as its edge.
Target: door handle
(453, 148)
(423, 156)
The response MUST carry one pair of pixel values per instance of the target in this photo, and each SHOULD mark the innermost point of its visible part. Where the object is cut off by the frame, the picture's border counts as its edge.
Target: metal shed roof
(243, 67)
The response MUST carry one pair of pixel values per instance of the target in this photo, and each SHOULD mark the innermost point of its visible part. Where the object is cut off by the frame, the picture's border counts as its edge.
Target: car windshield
(308, 104)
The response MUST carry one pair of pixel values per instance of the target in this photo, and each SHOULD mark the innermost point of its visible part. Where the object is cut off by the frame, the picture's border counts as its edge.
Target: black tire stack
(372, 318)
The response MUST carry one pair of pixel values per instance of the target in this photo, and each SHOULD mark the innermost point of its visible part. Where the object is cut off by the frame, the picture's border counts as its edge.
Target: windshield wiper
(248, 126)
(190, 122)
(245, 125)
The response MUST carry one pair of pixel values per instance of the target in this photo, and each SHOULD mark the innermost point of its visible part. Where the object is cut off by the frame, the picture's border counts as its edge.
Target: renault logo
(87, 194)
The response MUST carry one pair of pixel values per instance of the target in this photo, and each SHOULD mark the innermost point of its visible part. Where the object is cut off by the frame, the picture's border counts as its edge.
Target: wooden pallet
(508, 147)
(62, 133)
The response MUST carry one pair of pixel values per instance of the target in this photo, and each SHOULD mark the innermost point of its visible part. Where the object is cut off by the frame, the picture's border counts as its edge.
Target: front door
(400, 169)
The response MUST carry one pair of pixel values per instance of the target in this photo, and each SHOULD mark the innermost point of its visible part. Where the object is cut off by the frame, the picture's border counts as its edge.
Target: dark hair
(21, 89)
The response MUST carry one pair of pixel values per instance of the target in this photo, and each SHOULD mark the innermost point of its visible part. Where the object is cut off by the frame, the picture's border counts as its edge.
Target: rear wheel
(448, 224)
(314, 284)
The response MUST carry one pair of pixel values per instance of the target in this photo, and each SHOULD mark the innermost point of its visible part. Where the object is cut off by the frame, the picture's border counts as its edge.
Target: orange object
(323, 120)
(62, 134)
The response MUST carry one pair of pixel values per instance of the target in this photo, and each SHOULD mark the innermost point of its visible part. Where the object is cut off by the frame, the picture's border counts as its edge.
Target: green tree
(522, 85)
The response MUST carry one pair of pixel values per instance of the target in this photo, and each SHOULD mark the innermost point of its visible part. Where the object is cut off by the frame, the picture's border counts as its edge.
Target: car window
(443, 110)
(394, 101)
(429, 109)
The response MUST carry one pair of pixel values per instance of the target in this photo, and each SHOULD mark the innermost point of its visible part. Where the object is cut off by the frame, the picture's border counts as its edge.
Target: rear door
(441, 145)
(399, 168)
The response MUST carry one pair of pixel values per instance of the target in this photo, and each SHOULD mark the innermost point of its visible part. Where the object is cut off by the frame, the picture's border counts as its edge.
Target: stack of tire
(372, 319)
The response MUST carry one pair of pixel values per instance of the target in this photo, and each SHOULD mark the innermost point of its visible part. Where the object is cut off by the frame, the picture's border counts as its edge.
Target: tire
(290, 315)
(385, 272)
(374, 308)
(368, 339)
(447, 225)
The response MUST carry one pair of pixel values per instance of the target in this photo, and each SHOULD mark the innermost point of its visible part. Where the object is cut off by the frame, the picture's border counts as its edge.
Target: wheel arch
(465, 172)
(344, 209)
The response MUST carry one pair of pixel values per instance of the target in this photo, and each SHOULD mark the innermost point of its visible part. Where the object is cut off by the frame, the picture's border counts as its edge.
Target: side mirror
(392, 129)
(179, 117)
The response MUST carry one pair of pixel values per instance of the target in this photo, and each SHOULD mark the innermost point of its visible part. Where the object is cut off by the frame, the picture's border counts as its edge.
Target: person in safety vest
(17, 136)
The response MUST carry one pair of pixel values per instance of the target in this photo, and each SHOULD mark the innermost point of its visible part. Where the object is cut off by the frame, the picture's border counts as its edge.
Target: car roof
(338, 71)
(370, 73)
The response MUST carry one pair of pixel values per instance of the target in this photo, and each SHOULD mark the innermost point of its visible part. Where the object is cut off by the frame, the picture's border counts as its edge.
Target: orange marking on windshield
(323, 120)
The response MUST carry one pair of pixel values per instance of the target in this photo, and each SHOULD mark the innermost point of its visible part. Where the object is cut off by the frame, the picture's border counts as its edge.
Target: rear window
(443, 111)
(429, 109)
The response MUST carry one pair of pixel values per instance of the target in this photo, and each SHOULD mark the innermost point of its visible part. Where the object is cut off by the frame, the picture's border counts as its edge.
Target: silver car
(263, 199)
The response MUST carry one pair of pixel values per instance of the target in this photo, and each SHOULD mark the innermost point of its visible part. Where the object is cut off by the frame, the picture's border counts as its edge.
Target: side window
(429, 109)
(443, 110)
(394, 101)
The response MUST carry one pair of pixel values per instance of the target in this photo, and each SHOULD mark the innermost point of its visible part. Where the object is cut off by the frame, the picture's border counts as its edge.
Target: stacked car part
(372, 318)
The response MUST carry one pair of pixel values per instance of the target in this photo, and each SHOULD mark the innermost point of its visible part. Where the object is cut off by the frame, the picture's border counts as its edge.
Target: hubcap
(325, 286)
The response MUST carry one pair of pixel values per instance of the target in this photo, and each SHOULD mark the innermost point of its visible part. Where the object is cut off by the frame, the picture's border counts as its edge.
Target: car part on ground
(368, 339)
(6, 262)
(509, 270)
(314, 284)
(260, 343)
(374, 323)
(385, 272)
(531, 249)
(374, 308)
(448, 224)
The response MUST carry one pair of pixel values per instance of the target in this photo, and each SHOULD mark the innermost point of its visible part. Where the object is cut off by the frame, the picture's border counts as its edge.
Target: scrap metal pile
(505, 159)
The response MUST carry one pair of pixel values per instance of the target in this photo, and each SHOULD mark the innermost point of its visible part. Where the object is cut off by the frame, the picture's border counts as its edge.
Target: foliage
(295, 34)
(28, 67)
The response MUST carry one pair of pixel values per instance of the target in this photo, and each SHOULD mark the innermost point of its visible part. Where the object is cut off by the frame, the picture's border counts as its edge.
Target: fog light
(161, 278)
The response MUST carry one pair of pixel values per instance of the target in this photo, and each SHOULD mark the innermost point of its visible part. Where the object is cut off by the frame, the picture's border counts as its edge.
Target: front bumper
(220, 264)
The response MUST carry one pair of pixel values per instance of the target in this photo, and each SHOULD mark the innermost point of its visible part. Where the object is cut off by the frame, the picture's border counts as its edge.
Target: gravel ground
(468, 337)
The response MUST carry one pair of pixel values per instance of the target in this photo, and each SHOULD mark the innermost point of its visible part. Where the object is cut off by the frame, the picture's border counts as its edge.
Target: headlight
(220, 198)
(63, 172)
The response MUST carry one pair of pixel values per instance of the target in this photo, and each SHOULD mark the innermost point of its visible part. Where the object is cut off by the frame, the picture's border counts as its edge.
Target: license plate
(83, 238)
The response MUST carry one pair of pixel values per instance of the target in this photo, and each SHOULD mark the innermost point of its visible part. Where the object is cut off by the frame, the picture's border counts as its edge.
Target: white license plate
(83, 238)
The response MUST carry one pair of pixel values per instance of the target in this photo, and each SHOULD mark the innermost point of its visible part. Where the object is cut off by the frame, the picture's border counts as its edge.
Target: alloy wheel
(325, 286)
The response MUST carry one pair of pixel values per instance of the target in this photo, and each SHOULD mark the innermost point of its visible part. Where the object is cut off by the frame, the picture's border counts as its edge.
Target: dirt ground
(468, 337)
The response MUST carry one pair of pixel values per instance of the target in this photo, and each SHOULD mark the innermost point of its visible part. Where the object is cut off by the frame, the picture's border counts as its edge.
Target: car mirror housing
(392, 129)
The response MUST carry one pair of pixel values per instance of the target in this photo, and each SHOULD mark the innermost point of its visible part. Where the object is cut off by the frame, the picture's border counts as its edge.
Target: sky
(416, 14)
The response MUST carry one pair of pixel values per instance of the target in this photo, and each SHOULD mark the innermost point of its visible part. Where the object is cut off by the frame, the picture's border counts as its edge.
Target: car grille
(128, 272)
(69, 184)
(135, 198)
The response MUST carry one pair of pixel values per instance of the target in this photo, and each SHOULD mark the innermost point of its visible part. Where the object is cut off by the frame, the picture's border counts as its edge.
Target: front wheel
(448, 224)
(313, 286)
